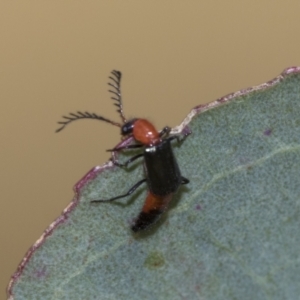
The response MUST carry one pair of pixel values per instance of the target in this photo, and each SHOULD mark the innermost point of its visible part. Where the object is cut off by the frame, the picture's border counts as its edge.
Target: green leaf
(231, 233)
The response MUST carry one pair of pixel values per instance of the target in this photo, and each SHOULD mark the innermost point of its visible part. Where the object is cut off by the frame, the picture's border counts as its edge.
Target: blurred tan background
(55, 57)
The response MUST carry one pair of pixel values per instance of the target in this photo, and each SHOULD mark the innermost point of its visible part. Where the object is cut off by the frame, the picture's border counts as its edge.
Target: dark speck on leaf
(198, 207)
(154, 260)
(268, 132)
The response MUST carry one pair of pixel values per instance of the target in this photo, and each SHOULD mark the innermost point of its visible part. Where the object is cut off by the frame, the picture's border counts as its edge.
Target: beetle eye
(127, 128)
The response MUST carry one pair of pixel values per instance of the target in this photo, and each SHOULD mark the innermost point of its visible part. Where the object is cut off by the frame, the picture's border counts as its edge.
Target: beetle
(163, 176)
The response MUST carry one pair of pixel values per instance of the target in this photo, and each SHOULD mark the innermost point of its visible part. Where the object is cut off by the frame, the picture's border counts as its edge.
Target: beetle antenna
(116, 91)
(83, 115)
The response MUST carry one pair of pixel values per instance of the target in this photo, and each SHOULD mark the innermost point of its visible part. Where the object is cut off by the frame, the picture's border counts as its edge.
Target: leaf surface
(231, 233)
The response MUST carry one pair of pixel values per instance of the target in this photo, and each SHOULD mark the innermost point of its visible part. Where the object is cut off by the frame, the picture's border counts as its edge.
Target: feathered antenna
(83, 115)
(86, 115)
(116, 78)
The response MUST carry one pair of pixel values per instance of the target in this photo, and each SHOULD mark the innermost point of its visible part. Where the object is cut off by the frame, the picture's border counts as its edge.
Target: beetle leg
(127, 162)
(184, 180)
(173, 137)
(165, 131)
(131, 190)
(179, 140)
(125, 147)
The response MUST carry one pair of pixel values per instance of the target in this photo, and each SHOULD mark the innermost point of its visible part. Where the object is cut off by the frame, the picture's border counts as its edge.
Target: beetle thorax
(145, 133)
